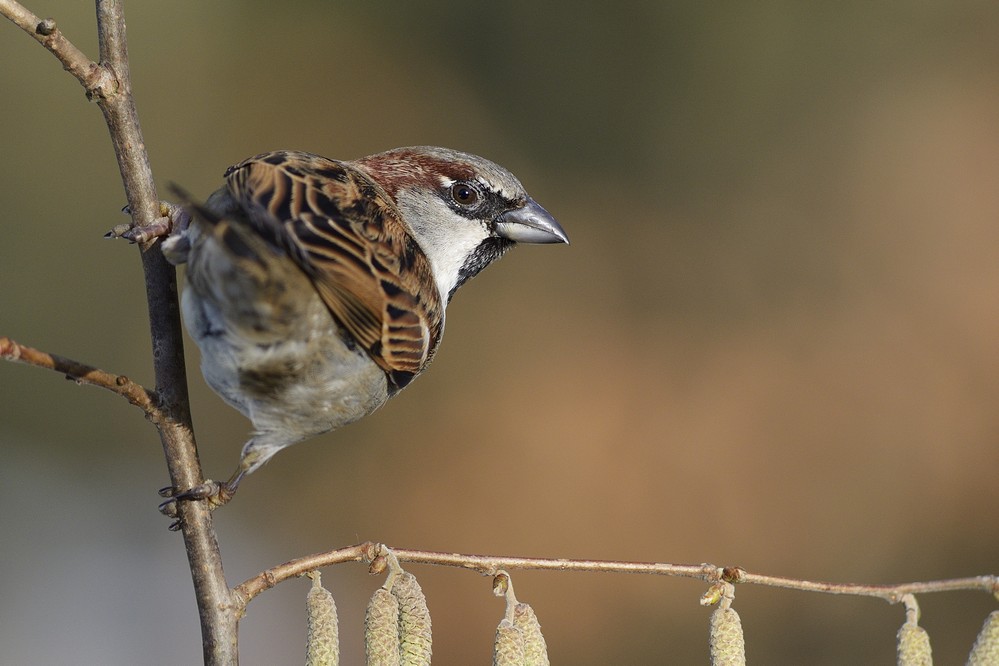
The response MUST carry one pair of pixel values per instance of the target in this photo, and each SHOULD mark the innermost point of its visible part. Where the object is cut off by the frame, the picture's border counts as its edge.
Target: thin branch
(95, 79)
(81, 373)
(891, 593)
(123, 124)
(265, 580)
(491, 565)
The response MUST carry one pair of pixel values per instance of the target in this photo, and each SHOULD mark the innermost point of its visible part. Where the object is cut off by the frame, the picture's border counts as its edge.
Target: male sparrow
(316, 288)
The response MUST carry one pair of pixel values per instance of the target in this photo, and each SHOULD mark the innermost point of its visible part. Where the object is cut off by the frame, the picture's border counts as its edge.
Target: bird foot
(173, 218)
(214, 493)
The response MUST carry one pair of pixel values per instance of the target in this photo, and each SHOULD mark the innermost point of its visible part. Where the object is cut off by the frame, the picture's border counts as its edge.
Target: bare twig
(108, 83)
(81, 373)
(123, 121)
(890, 593)
(491, 565)
(265, 580)
(95, 79)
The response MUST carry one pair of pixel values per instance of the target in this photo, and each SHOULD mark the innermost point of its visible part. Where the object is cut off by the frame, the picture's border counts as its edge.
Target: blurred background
(772, 342)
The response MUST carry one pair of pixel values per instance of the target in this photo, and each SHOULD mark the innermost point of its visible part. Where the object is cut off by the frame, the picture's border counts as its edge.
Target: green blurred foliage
(772, 342)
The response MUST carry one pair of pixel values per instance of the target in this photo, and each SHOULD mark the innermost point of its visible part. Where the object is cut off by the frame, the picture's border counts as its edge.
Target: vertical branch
(109, 84)
(218, 617)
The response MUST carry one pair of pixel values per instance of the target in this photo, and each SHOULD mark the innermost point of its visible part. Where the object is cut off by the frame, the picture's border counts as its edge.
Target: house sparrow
(316, 288)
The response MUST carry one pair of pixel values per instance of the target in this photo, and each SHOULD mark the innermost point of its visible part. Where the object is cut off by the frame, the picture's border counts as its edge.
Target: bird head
(463, 210)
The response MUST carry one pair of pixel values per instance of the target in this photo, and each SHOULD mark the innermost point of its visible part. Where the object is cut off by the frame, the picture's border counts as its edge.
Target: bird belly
(292, 383)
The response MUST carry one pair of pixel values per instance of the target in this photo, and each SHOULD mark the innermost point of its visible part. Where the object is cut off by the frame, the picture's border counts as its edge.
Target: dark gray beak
(530, 224)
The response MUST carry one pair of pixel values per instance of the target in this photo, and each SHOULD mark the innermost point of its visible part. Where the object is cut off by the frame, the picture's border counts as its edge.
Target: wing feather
(347, 236)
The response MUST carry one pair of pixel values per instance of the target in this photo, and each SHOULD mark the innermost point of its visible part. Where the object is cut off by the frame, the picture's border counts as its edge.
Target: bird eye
(464, 194)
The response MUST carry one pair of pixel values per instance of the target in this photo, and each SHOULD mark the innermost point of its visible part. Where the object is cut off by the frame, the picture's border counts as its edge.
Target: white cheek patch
(448, 256)
(447, 239)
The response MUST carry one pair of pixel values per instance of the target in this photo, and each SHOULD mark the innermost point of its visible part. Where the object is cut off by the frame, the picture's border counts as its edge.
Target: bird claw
(214, 493)
(173, 218)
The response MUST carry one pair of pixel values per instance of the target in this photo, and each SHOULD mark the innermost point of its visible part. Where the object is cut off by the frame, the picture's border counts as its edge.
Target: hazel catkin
(914, 646)
(381, 629)
(415, 639)
(726, 641)
(986, 649)
(323, 643)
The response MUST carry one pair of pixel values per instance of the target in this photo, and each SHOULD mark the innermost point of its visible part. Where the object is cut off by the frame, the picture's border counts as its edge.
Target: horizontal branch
(490, 565)
(891, 593)
(81, 373)
(265, 580)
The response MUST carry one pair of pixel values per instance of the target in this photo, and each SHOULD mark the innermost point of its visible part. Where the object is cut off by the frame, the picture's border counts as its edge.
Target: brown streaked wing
(346, 235)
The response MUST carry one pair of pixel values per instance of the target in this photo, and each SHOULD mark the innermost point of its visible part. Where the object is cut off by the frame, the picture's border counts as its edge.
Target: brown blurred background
(772, 342)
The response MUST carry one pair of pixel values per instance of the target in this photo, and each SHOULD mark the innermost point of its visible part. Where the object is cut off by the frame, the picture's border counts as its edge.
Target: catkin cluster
(397, 629)
(518, 641)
